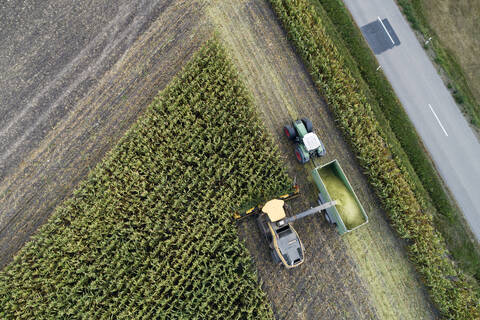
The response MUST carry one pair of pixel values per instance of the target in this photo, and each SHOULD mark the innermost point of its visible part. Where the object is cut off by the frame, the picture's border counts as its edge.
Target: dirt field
(456, 23)
(61, 114)
(362, 275)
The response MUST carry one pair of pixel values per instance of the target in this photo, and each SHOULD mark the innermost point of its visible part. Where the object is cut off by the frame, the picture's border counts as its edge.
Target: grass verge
(386, 105)
(458, 83)
(149, 234)
(447, 286)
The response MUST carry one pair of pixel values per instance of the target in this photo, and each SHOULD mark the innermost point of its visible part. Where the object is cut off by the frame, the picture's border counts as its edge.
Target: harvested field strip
(390, 113)
(367, 270)
(149, 233)
(446, 283)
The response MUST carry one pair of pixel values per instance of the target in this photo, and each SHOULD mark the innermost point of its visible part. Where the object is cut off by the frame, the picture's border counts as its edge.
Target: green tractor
(308, 144)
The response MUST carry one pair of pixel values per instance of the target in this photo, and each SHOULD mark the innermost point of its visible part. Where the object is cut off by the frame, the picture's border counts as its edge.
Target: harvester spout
(311, 211)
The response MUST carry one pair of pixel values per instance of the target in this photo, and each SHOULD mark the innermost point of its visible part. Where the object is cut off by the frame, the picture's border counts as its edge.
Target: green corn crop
(149, 234)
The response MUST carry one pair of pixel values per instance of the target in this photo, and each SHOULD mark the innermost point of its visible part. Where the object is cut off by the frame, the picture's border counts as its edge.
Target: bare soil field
(61, 114)
(362, 275)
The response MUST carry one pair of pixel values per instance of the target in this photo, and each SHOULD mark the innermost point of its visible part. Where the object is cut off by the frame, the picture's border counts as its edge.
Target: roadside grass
(402, 136)
(455, 45)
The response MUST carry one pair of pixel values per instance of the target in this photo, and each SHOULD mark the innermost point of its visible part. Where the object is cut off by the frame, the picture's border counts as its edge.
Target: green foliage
(149, 234)
(386, 106)
(409, 13)
(446, 283)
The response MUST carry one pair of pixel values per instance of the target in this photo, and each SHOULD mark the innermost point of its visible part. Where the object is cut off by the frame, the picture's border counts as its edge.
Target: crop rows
(446, 283)
(149, 233)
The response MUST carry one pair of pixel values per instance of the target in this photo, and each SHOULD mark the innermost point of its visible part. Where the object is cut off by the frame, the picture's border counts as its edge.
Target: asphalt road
(445, 133)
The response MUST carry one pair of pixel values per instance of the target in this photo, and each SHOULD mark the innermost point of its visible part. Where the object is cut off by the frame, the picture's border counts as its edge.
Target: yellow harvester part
(274, 210)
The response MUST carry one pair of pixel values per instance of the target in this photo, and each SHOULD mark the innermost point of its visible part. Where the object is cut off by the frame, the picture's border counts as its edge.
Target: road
(446, 134)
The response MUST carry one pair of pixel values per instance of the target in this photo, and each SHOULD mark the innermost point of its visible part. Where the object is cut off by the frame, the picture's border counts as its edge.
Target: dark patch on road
(380, 36)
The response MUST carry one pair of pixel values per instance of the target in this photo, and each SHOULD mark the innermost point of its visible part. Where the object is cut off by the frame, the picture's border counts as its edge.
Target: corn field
(447, 285)
(149, 233)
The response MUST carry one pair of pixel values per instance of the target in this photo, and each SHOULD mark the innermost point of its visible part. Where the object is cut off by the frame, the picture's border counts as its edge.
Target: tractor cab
(307, 143)
(311, 141)
(286, 247)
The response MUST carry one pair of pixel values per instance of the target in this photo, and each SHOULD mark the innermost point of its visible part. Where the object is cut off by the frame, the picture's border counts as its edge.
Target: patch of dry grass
(457, 25)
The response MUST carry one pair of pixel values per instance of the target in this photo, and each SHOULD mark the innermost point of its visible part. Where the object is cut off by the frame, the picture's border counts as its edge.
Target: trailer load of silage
(347, 206)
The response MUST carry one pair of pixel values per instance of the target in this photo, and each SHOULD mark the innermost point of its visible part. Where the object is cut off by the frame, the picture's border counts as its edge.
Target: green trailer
(348, 214)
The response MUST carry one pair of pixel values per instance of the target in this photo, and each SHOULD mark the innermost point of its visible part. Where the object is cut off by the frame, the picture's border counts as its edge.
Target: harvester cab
(285, 245)
(307, 143)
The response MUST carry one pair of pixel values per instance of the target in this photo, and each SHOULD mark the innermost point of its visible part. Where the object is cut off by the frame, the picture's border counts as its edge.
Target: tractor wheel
(300, 156)
(321, 151)
(290, 132)
(308, 124)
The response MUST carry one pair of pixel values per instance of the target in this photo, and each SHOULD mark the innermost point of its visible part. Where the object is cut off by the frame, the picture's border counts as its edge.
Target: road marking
(444, 131)
(393, 42)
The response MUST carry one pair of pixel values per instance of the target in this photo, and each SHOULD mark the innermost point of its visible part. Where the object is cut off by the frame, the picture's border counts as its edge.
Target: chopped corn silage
(346, 206)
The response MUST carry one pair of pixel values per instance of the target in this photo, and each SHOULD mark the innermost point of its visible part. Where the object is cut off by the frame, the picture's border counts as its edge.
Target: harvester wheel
(275, 256)
(299, 155)
(263, 228)
(308, 124)
(290, 132)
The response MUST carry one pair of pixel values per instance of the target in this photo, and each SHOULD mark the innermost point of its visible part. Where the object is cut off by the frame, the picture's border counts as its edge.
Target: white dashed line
(444, 131)
(393, 42)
